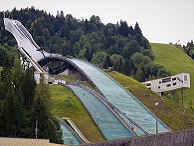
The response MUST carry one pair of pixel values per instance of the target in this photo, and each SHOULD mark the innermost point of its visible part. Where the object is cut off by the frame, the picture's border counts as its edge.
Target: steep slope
(124, 101)
(175, 61)
(169, 111)
(66, 104)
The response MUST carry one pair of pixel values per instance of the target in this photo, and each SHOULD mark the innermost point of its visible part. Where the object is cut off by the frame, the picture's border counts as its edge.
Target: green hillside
(66, 104)
(169, 111)
(175, 61)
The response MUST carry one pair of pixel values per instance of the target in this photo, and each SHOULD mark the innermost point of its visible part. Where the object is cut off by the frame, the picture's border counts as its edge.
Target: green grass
(66, 104)
(175, 61)
(68, 78)
(1, 69)
(169, 111)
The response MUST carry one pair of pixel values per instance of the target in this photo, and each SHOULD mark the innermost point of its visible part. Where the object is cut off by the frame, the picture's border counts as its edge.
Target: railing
(116, 109)
(77, 130)
(71, 127)
(34, 64)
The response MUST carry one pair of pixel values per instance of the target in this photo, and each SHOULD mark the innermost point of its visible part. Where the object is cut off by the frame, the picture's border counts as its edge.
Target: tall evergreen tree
(107, 62)
(42, 115)
(123, 29)
(10, 117)
(137, 29)
(17, 82)
(140, 75)
(118, 65)
(125, 67)
(29, 86)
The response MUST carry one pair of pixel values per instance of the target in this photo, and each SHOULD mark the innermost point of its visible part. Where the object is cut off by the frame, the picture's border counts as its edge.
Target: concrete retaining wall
(4, 141)
(7, 141)
(179, 138)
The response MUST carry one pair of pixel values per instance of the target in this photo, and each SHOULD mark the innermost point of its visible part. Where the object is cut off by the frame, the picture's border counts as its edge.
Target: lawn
(175, 61)
(66, 104)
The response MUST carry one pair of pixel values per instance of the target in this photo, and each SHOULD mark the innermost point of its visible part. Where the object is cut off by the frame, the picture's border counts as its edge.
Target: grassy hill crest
(175, 61)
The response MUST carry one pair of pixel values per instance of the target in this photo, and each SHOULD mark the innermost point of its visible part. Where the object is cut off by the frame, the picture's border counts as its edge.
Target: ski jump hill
(117, 113)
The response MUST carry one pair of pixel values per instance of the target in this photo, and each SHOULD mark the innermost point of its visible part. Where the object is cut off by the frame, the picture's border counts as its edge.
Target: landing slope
(175, 61)
(169, 111)
(66, 104)
(123, 100)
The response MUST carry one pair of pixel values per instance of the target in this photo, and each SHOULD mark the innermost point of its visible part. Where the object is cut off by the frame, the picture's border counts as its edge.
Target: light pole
(156, 104)
(36, 129)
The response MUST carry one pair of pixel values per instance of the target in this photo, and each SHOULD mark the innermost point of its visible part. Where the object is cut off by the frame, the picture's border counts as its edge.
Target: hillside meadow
(175, 61)
(169, 111)
(66, 104)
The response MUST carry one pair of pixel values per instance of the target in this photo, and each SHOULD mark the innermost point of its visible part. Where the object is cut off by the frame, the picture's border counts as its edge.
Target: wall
(4, 141)
(179, 138)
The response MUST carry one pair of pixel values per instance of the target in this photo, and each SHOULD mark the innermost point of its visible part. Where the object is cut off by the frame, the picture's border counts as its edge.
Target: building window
(168, 85)
(166, 80)
(173, 79)
(148, 84)
(185, 77)
(159, 82)
(174, 84)
(158, 87)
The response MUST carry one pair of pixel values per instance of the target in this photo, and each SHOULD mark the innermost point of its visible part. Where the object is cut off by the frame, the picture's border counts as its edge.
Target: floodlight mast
(156, 104)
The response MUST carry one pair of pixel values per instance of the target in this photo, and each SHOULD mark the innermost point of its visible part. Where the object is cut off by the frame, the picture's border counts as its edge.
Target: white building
(169, 83)
(38, 75)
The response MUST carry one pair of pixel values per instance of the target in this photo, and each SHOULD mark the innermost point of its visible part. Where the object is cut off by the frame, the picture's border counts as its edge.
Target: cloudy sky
(161, 21)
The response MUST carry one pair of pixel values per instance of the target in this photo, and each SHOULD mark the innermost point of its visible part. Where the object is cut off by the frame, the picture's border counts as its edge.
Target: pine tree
(17, 82)
(138, 34)
(89, 52)
(125, 67)
(107, 62)
(29, 85)
(9, 116)
(140, 75)
(118, 65)
(13, 118)
(42, 115)
(124, 29)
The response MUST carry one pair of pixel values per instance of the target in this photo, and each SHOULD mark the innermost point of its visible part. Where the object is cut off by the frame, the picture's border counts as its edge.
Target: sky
(161, 21)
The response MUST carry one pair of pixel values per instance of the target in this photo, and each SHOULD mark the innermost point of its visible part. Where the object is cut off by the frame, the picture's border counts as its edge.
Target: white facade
(38, 75)
(24, 39)
(169, 83)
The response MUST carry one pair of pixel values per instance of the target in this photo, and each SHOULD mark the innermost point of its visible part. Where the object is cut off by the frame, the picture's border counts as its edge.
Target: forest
(189, 49)
(117, 47)
(24, 105)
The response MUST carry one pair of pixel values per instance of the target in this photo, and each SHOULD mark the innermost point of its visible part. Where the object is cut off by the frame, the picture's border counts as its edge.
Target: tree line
(24, 105)
(189, 49)
(119, 46)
